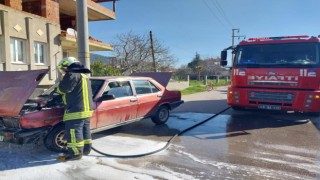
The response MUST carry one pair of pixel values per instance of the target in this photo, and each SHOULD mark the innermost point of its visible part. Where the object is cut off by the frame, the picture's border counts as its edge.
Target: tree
(97, 68)
(182, 72)
(100, 69)
(198, 70)
(196, 61)
(211, 66)
(134, 53)
(196, 65)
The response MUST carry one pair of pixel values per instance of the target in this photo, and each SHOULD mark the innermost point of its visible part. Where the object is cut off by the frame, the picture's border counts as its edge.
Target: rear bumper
(23, 136)
(175, 104)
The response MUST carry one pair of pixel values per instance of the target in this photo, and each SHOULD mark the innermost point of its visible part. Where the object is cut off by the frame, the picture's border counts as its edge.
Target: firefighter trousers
(78, 136)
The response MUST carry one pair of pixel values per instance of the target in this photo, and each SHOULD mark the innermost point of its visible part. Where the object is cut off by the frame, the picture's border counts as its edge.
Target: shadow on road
(204, 106)
(263, 119)
(13, 156)
(316, 122)
(143, 129)
(222, 91)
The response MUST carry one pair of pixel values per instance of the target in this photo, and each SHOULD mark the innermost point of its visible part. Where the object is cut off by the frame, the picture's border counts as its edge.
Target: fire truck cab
(275, 73)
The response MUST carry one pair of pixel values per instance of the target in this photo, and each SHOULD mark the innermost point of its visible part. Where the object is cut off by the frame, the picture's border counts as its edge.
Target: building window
(40, 54)
(18, 50)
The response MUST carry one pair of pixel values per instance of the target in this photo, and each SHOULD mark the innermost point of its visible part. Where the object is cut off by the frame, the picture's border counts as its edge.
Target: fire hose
(167, 143)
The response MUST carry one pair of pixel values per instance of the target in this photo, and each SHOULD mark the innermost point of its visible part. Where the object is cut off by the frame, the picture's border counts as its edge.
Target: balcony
(69, 42)
(96, 12)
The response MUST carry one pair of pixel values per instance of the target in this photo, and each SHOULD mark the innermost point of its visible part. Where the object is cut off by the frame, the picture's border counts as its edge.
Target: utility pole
(234, 36)
(152, 52)
(82, 29)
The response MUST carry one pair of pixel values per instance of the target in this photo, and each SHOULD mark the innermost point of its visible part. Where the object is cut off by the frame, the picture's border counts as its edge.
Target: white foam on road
(35, 162)
(292, 156)
(224, 168)
(117, 145)
(94, 166)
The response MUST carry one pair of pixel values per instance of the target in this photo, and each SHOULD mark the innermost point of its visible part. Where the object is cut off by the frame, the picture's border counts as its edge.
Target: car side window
(154, 88)
(118, 89)
(144, 87)
(95, 86)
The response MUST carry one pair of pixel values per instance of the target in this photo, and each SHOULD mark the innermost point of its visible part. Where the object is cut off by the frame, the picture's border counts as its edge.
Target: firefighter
(76, 93)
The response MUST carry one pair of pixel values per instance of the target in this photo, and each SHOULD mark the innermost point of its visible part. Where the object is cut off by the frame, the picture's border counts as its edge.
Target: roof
(280, 41)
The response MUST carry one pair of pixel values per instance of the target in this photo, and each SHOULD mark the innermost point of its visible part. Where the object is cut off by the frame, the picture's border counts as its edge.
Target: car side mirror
(223, 63)
(106, 97)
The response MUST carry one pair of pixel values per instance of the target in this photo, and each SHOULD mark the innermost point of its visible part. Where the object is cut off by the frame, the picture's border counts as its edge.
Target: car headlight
(11, 122)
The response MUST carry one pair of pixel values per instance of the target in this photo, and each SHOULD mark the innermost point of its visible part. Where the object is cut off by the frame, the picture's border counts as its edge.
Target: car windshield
(278, 55)
(95, 85)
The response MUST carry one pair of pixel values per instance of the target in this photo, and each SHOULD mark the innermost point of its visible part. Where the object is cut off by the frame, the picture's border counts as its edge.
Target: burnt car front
(24, 120)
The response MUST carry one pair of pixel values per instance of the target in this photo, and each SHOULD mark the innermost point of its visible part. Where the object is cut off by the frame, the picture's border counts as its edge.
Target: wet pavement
(236, 145)
(233, 145)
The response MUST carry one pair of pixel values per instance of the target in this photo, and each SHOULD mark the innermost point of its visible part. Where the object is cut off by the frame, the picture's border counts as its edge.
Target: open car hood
(15, 89)
(161, 77)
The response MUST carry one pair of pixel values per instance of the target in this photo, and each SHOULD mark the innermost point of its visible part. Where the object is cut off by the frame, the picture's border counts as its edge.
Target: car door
(122, 108)
(148, 97)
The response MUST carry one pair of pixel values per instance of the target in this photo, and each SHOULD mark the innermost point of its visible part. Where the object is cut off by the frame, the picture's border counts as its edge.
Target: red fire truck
(275, 73)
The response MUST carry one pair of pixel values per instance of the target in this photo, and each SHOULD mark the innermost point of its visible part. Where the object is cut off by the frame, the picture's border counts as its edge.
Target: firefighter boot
(86, 149)
(68, 157)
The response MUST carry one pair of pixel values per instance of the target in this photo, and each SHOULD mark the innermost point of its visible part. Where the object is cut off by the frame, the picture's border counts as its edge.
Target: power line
(221, 11)
(212, 12)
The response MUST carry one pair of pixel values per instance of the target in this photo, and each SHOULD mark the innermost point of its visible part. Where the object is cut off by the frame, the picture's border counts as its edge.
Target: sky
(188, 27)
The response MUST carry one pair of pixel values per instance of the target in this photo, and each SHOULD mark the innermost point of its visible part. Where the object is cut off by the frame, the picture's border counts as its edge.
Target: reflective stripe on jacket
(75, 89)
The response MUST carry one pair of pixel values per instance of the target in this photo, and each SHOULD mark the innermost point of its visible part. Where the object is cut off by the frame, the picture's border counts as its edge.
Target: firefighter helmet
(67, 61)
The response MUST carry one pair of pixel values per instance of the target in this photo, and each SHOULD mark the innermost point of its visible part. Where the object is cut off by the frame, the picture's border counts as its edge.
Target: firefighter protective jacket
(76, 93)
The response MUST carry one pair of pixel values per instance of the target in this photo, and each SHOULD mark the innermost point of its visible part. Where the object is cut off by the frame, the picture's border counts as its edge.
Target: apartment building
(37, 34)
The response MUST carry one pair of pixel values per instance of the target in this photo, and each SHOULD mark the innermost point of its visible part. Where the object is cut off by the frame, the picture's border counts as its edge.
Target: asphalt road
(235, 144)
(205, 102)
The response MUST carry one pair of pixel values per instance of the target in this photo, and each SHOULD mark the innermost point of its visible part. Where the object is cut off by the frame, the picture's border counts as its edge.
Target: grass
(198, 86)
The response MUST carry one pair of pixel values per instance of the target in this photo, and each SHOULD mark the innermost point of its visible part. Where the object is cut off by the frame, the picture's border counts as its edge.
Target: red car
(117, 100)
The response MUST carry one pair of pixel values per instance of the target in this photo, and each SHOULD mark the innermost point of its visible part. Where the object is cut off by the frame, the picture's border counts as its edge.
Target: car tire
(162, 115)
(55, 140)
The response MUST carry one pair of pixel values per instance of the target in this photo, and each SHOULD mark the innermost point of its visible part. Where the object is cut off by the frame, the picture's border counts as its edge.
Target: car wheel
(161, 116)
(55, 140)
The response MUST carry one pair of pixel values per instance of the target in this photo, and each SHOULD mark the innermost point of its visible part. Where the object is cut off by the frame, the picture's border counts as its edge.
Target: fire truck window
(257, 57)
(295, 54)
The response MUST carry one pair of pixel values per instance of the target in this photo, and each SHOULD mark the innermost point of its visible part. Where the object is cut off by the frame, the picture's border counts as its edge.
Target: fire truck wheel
(237, 108)
(314, 114)
(161, 116)
(55, 140)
